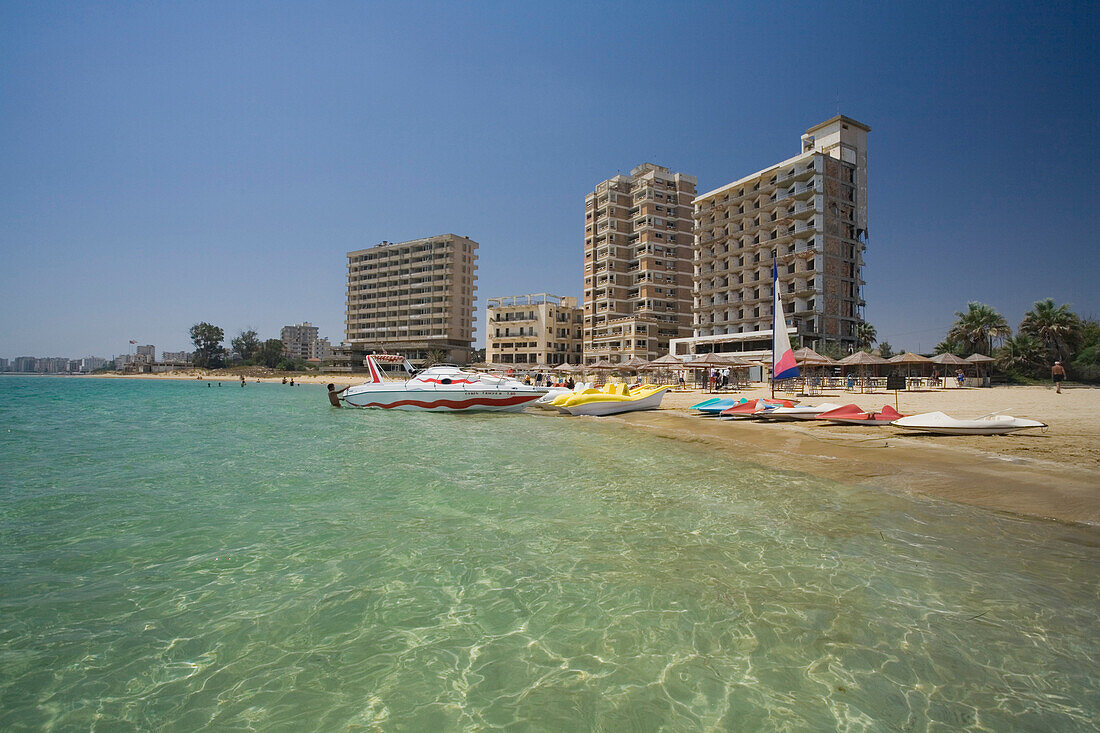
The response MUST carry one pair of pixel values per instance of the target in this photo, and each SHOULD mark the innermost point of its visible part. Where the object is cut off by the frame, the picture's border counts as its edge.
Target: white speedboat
(442, 388)
(938, 422)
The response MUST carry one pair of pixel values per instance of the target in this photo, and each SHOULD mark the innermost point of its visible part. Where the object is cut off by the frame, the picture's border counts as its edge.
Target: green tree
(435, 356)
(978, 328)
(865, 335)
(885, 350)
(1023, 355)
(949, 346)
(246, 344)
(269, 353)
(208, 345)
(1057, 328)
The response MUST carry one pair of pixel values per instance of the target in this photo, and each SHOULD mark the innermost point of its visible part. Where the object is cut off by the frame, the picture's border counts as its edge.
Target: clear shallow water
(179, 557)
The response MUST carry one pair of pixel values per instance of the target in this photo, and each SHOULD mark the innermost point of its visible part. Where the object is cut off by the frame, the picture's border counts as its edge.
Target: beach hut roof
(567, 368)
(862, 358)
(809, 357)
(979, 359)
(668, 359)
(633, 363)
(711, 360)
(909, 358)
(951, 359)
(601, 364)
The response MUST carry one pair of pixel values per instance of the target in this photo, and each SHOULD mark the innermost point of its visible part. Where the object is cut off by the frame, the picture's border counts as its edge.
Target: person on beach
(284, 380)
(960, 377)
(292, 381)
(1058, 374)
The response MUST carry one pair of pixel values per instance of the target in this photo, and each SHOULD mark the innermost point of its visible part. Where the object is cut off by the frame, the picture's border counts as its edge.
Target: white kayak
(797, 412)
(938, 422)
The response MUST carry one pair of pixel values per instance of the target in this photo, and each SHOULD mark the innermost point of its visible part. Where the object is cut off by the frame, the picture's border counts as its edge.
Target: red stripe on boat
(454, 404)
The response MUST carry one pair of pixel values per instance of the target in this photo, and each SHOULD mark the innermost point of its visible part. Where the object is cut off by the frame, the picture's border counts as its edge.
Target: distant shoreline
(1049, 475)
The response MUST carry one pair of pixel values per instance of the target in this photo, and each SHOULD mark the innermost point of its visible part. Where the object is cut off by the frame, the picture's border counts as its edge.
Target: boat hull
(440, 400)
(937, 422)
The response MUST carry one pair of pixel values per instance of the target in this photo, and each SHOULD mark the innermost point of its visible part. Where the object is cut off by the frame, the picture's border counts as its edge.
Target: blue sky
(162, 164)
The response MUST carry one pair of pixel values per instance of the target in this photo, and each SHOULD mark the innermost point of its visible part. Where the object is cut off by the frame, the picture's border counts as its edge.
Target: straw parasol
(948, 359)
(567, 368)
(908, 359)
(719, 361)
(808, 357)
(864, 360)
(601, 365)
(633, 364)
(668, 361)
(980, 361)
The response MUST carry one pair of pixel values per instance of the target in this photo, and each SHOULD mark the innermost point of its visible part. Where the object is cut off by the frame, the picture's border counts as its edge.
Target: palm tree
(977, 328)
(1056, 327)
(865, 334)
(948, 346)
(1022, 354)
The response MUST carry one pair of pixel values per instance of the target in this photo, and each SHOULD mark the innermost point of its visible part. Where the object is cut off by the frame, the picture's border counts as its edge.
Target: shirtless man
(1058, 374)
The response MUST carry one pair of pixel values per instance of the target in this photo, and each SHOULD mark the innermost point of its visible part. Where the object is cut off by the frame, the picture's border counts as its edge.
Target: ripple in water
(179, 557)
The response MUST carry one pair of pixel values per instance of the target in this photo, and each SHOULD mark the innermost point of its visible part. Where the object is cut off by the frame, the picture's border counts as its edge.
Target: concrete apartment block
(533, 329)
(637, 264)
(811, 211)
(412, 298)
(298, 340)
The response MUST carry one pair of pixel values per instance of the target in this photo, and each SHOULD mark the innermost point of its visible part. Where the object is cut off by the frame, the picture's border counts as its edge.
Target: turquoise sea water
(181, 557)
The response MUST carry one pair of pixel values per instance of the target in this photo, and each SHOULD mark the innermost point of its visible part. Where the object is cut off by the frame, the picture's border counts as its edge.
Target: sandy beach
(1053, 474)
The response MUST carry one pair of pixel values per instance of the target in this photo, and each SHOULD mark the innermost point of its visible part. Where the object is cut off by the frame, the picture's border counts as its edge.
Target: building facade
(811, 212)
(412, 298)
(298, 340)
(145, 354)
(176, 357)
(637, 264)
(533, 329)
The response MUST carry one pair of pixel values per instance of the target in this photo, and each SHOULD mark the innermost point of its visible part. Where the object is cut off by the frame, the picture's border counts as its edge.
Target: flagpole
(774, 279)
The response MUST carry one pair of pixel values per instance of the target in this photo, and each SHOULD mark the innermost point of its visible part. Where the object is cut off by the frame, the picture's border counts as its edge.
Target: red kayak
(854, 415)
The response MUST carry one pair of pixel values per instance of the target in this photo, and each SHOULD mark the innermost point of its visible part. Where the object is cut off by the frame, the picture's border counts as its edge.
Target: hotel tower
(637, 264)
(811, 212)
(412, 298)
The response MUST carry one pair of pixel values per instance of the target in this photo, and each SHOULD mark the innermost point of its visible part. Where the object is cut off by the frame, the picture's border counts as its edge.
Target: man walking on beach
(1058, 374)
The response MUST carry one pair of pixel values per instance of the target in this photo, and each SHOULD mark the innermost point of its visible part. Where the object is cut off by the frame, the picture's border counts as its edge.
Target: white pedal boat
(938, 422)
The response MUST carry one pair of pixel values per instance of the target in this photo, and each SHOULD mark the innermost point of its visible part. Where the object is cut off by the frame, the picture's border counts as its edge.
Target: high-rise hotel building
(811, 211)
(412, 298)
(637, 264)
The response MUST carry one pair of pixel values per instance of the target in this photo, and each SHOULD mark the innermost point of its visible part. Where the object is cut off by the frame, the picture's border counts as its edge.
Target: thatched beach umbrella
(808, 357)
(668, 361)
(908, 359)
(981, 362)
(864, 361)
(633, 364)
(950, 360)
(664, 366)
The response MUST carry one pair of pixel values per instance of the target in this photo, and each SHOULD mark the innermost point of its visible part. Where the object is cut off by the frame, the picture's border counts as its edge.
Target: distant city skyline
(164, 165)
